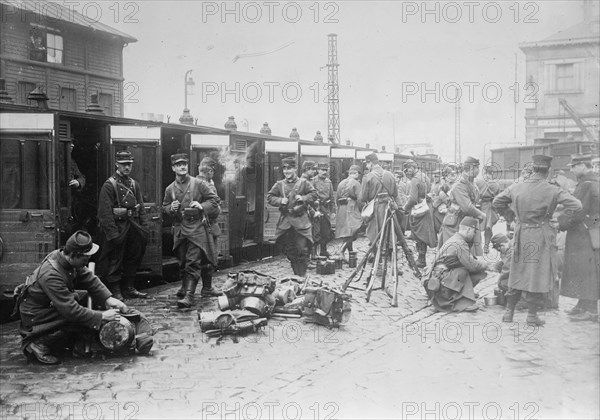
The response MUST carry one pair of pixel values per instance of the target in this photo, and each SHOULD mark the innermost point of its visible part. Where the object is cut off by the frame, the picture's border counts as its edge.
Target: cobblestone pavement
(405, 362)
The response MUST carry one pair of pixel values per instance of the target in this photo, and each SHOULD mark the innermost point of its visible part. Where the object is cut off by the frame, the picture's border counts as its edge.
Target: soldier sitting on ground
(504, 246)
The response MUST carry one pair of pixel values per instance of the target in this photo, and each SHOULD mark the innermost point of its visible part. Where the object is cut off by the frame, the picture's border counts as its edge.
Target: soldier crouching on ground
(51, 315)
(294, 230)
(191, 202)
(456, 271)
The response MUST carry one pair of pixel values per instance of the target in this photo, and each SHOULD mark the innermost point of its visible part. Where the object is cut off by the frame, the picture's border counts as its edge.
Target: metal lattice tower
(457, 152)
(333, 89)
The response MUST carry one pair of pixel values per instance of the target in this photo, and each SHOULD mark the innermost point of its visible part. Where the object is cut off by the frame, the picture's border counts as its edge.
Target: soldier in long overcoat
(463, 197)
(533, 268)
(581, 270)
(421, 226)
(293, 196)
(379, 185)
(488, 189)
(191, 203)
(347, 219)
(123, 230)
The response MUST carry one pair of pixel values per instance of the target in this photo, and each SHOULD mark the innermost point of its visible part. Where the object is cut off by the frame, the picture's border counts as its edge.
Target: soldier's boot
(181, 292)
(532, 317)
(115, 289)
(129, 291)
(301, 268)
(509, 313)
(207, 289)
(422, 260)
(38, 350)
(190, 288)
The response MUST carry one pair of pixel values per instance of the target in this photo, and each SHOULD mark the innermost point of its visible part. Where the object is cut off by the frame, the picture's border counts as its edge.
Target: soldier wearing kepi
(581, 271)
(463, 197)
(294, 230)
(533, 268)
(123, 230)
(421, 225)
(323, 206)
(191, 203)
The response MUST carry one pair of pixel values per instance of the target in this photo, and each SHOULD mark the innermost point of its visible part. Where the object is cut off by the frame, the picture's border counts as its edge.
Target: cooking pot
(117, 335)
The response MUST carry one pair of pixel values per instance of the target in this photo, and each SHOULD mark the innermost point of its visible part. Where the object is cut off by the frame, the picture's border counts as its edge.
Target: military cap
(323, 165)
(81, 243)
(471, 161)
(207, 163)
(579, 158)
(289, 162)
(308, 164)
(179, 157)
(124, 156)
(541, 160)
(470, 222)
(372, 157)
(410, 162)
(499, 238)
(355, 168)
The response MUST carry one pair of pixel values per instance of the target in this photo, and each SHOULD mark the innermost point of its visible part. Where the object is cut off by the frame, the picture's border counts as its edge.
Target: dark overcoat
(421, 226)
(194, 231)
(51, 301)
(488, 189)
(534, 265)
(377, 181)
(581, 270)
(347, 220)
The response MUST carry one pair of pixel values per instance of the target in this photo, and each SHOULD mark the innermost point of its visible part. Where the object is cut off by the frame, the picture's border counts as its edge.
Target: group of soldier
(53, 303)
(448, 215)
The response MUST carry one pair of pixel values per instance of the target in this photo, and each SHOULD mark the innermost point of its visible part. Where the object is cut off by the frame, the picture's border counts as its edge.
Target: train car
(510, 161)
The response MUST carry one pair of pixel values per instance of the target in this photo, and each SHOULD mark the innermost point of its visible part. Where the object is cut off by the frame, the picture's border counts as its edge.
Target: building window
(68, 99)
(23, 90)
(55, 48)
(106, 102)
(565, 77)
(45, 46)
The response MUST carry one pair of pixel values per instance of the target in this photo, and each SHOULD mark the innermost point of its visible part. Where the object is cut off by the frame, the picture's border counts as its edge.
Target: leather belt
(532, 225)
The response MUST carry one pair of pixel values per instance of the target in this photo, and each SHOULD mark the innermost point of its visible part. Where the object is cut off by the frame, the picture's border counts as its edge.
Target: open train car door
(216, 146)
(341, 160)
(275, 151)
(28, 217)
(144, 144)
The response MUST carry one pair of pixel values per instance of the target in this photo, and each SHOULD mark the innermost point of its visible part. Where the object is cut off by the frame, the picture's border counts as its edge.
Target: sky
(400, 63)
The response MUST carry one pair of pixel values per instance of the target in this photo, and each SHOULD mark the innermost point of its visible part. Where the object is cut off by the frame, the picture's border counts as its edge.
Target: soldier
(463, 196)
(323, 206)
(533, 267)
(123, 230)
(348, 220)
(456, 271)
(293, 195)
(488, 189)
(53, 313)
(309, 169)
(379, 185)
(581, 271)
(437, 201)
(420, 223)
(402, 184)
(206, 172)
(192, 203)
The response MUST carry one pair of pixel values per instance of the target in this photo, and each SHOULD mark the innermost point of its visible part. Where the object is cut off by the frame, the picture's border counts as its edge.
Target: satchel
(368, 211)
(420, 208)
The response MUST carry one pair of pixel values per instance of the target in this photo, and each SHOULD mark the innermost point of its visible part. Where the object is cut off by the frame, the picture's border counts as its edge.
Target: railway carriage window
(24, 174)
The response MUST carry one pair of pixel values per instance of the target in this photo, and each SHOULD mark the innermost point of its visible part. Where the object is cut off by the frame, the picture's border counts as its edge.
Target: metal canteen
(117, 335)
(254, 305)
